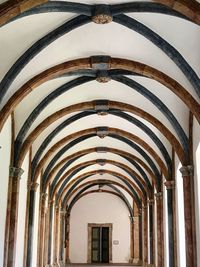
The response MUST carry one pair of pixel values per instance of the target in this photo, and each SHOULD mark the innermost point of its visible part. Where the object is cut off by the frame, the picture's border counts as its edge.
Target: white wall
(22, 214)
(181, 260)
(99, 208)
(5, 144)
(196, 152)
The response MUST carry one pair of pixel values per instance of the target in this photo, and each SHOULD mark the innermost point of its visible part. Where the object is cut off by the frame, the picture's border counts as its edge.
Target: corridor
(99, 133)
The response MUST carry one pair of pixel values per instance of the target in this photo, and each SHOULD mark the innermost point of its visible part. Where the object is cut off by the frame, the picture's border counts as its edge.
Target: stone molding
(187, 170)
(170, 184)
(15, 172)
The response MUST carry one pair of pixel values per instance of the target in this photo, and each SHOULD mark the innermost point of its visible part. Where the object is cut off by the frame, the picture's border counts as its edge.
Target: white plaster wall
(99, 208)
(22, 214)
(196, 151)
(35, 236)
(5, 144)
(181, 260)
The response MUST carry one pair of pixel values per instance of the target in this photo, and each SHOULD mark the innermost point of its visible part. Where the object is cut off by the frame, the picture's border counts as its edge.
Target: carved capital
(144, 207)
(51, 203)
(32, 186)
(151, 201)
(158, 195)
(44, 196)
(15, 172)
(187, 170)
(170, 184)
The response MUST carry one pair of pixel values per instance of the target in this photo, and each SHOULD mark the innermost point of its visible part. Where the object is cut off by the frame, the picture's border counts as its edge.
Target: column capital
(15, 172)
(44, 196)
(32, 186)
(158, 195)
(187, 170)
(170, 184)
(151, 201)
(51, 202)
(63, 212)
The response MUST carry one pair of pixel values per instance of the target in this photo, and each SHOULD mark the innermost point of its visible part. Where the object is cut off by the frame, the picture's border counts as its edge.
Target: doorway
(99, 243)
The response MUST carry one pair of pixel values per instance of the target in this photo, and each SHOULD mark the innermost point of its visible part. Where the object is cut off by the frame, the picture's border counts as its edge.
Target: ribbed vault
(102, 98)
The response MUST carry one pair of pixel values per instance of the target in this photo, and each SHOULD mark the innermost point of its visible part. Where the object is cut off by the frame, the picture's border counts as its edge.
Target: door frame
(90, 225)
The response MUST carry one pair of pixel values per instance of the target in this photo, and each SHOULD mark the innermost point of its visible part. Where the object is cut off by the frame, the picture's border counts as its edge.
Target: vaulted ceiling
(100, 91)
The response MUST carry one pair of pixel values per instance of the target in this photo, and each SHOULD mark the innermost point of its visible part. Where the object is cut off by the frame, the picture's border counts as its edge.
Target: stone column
(151, 231)
(67, 232)
(55, 243)
(62, 232)
(170, 187)
(15, 175)
(140, 237)
(41, 239)
(31, 214)
(190, 239)
(46, 236)
(145, 235)
(136, 238)
(160, 236)
(50, 232)
(131, 239)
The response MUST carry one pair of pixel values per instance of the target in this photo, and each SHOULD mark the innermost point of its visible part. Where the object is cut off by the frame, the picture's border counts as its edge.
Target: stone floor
(101, 265)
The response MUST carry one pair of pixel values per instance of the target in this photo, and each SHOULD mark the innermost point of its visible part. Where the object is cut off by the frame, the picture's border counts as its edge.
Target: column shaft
(55, 247)
(160, 237)
(15, 175)
(145, 229)
(41, 238)
(49, 259)
(151, 233)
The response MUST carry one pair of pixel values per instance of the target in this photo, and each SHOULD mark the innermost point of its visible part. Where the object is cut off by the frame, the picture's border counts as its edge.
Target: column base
(61, 264)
